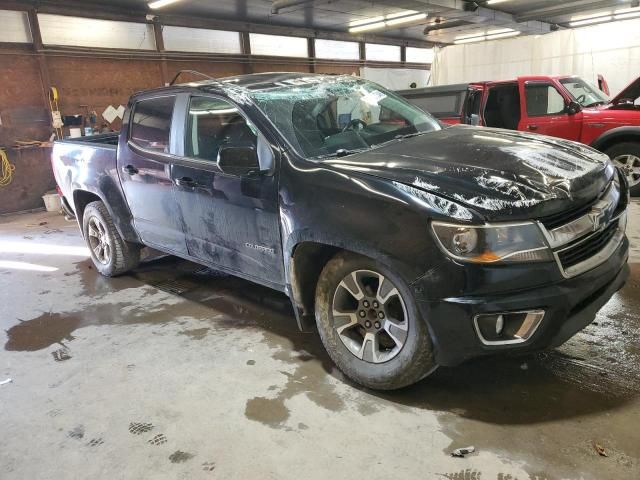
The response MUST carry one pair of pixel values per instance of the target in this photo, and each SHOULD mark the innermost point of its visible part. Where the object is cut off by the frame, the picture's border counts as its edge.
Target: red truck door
(545, 110)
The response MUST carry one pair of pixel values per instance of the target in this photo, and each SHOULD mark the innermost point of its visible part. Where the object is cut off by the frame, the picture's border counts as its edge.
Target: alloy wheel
(370, 316)
(630, 166)
(99, 241)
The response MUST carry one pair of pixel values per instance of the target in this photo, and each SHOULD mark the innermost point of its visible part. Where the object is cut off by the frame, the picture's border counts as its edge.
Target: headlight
(522, 242)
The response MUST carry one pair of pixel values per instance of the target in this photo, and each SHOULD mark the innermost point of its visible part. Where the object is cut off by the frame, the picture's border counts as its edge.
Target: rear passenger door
(545, 111)
(230, 221)
(144, 166)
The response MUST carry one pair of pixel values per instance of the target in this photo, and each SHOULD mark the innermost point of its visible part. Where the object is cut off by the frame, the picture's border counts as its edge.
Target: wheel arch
(615, 136)
(82, 198)
(306, 260)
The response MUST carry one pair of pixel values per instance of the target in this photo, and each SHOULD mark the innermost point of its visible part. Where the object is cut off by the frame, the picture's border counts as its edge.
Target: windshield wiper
(342, 152)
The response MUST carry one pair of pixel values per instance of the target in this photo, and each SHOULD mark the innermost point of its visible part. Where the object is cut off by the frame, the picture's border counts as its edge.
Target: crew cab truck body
(562, 106)
(408, 245)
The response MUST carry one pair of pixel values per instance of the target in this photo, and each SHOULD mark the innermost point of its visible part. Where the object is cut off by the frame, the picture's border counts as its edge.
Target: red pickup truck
(563, 106)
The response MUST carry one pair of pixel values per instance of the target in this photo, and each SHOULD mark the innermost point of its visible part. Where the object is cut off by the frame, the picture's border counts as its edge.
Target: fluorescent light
(626, 10)
(589, 21)
(503, 35)
(371, 26)
(590, 15)
(162, 3)
(375, 23)
(411, 18)
(493, 2)
(502, 30)
(469, 35)
(366, 21)
(400, 14)
(470, 40)
(623, 16)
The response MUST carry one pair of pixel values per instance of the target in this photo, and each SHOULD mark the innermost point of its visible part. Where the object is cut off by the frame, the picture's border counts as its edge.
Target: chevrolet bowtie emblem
(597, 217)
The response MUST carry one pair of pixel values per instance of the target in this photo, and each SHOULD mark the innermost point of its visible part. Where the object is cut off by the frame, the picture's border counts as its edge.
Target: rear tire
(386, 348)
(626, 155)
(110, 254)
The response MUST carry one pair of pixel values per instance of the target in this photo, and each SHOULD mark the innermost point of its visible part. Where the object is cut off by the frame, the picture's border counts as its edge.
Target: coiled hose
(6, 170)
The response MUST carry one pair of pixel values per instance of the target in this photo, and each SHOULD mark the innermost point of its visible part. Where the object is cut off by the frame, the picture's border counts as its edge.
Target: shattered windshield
(584, 93)
(322, 116)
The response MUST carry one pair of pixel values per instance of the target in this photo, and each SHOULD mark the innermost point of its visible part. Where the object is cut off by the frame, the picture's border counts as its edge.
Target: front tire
(370, 325)
(626, 155)
(110, 254)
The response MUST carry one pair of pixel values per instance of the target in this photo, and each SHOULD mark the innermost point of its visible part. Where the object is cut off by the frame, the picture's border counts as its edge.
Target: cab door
(144, 166)
(545, 110)
(230, 218)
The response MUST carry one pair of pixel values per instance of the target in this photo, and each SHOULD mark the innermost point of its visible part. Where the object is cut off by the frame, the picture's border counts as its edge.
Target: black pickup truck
(407, 244)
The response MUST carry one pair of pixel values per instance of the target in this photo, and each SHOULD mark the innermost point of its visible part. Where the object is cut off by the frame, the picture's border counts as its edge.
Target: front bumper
(570, 305)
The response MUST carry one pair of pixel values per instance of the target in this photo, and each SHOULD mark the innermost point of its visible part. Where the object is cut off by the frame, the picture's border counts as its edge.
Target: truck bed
(86, 163)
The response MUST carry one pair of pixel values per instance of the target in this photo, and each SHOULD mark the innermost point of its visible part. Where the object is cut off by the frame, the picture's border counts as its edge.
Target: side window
(151, 123)
(213, 123)
(543, 99)
(439, 105)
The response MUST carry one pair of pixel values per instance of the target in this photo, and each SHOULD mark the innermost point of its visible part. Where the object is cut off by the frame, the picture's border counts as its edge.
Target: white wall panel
(14, 27)
(335, 49)
(382, 53)
(278, 45)
(89, 32)
(611, 49)
(184, 39)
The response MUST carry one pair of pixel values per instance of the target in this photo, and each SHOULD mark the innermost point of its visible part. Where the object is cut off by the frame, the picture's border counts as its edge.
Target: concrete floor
(179, 372)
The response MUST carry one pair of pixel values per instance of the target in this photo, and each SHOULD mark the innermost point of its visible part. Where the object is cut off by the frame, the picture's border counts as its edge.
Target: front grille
(566, 216)
(585, 249)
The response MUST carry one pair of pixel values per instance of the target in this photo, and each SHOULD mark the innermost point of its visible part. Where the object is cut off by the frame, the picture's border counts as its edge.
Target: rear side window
(543, 99)
(213, 123)
(439, 105)
(151, 123)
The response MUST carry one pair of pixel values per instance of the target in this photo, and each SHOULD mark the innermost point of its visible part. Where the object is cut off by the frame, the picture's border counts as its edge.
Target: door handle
(186, 182)
(130, 169)
(532, 127)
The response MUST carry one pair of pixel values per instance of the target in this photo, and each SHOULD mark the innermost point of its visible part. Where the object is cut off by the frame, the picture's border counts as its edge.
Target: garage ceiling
(446, 21)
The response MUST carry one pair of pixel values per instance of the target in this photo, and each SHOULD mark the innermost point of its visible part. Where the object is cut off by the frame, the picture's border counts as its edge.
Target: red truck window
(543, 99)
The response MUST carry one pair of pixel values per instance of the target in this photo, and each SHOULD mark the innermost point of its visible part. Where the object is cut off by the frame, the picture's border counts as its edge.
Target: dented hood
(630, 92)
(503, 175)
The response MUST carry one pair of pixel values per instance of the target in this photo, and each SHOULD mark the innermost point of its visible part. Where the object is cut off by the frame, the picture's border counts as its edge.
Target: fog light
(506, 328)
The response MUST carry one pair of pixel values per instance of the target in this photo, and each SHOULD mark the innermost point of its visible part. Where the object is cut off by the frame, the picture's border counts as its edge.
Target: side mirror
(573, 108)
(238, 160)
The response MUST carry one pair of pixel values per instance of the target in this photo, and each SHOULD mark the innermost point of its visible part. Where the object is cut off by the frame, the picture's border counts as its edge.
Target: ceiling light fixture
(503, 35)
(392, 19)
(493, 2)
(470, 40)
(624, 13)
(589, 21)
(370, 26)
(366, 21)
(412, 18)
(161, 3)
(624, 16)
(489, 35)
(590, 16)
